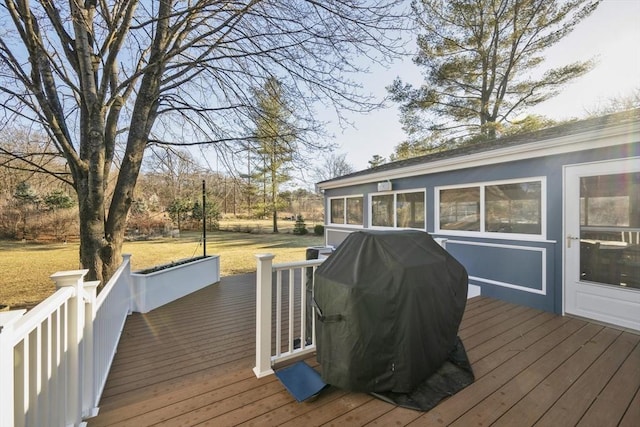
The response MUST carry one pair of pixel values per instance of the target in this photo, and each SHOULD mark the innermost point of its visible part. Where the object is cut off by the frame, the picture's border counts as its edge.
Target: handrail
(297, 264)
(120, 272)
(110, 311)
(42, 357)
(34, 317)
(54, 359)
(289, 283)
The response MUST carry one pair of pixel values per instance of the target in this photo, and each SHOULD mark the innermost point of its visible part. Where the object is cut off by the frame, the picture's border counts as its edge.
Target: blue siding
(509, 265)
(521, 272)
(518, 267)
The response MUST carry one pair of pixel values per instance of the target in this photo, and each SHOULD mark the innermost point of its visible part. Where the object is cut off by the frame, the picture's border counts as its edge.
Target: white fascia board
(608, 137)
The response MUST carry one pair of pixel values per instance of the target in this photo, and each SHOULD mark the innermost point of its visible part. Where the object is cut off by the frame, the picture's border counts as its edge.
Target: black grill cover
(388, 304)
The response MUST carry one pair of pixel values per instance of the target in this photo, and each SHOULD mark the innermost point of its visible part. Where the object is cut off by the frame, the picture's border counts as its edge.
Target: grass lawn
(25, 267)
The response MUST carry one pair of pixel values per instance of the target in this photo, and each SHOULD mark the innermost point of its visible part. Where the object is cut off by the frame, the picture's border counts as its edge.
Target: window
(346, 210)
(354, 210)
(509, 207)
(610, 228)
(513, 208)
(403, 210)
(337, 211)
(460, 209)
(410, 210)
(382, 210)
(610, 200)
(605, 211)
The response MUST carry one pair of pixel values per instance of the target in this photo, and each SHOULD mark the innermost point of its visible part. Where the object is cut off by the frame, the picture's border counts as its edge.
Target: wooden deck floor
(190, 362)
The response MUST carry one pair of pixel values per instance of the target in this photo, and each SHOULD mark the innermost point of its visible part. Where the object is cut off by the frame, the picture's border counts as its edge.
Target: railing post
(7, 321)
(75, 371)
(126, 258)
(88, 395)
(264, 285)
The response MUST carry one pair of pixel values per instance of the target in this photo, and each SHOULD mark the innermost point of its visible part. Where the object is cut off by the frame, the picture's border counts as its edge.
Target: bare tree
(105, 80)
(176, 170)
(332, 166)
(627, 101)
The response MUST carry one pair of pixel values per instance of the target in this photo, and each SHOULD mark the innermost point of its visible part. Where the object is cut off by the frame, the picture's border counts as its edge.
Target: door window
(610, 229)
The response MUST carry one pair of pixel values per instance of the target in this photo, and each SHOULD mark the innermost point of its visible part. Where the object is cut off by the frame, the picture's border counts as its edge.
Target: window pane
(610, 225)
(460, 209)
(382, 210)
(410, 210)
(513, 208)
(354, 210)
(337, 211)
(610, 211)
(610, 200)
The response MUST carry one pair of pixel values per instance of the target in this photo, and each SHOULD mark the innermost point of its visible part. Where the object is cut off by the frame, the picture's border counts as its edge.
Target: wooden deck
(190, 362)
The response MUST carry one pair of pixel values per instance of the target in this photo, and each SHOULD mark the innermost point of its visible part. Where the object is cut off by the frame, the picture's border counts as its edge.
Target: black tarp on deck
(389, 306)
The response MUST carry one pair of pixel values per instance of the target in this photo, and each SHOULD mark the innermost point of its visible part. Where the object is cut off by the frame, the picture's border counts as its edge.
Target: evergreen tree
(376, 160)
(275, 135)
(27, 200)
(212, 214)
(483, 63)
(58, 199)
(178, 210)
(300, 228)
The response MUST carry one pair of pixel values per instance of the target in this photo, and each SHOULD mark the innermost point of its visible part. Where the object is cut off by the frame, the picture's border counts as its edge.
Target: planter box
(152, 290)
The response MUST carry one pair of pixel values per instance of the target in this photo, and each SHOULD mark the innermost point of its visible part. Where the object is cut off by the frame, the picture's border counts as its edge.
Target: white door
(601, 246)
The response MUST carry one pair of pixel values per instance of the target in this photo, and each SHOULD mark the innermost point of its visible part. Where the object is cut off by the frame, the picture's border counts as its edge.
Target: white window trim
(344, 211)
(490, 234)
(395, 215)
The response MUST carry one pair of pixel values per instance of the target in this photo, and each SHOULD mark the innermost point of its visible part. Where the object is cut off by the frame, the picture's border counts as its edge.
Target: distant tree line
(168, 196)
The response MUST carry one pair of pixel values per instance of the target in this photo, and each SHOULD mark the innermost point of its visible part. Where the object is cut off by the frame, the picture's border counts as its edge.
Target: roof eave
(606, 137)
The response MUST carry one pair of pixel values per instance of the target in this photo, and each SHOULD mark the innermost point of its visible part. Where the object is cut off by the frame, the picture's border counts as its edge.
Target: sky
(611, 36)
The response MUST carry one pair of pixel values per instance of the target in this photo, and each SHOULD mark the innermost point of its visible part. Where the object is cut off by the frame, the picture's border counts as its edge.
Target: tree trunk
(111, 256)
(274, 194)
(275, 220)
(91, 236)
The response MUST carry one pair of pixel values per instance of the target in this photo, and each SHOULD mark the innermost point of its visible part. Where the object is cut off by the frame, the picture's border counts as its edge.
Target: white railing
(291, 305)
(54, 359)
(112, 306)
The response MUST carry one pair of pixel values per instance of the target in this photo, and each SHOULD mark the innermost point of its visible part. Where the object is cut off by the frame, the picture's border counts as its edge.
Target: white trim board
(543, 259)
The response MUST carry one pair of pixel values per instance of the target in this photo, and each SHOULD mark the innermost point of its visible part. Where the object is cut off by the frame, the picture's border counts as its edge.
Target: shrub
(300, 227)
(318, 230)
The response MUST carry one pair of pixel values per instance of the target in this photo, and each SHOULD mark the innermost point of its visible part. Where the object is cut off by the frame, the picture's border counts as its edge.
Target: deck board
(190, 363)
(631, 417)
(494, 406)
(571, 407)
(617, 396)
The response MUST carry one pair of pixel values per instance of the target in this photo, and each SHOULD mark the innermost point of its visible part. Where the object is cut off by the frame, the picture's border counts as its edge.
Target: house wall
(527, 270)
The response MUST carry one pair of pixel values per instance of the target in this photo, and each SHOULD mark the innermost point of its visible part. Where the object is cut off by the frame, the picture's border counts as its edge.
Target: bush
(318, 230)
(300, 228)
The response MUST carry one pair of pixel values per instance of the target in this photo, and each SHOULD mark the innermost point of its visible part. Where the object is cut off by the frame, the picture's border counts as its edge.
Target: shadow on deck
(190, 362)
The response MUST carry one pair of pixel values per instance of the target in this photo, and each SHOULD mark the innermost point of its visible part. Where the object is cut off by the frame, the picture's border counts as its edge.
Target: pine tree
(483, 64)
(300, 228)
(275, 135)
